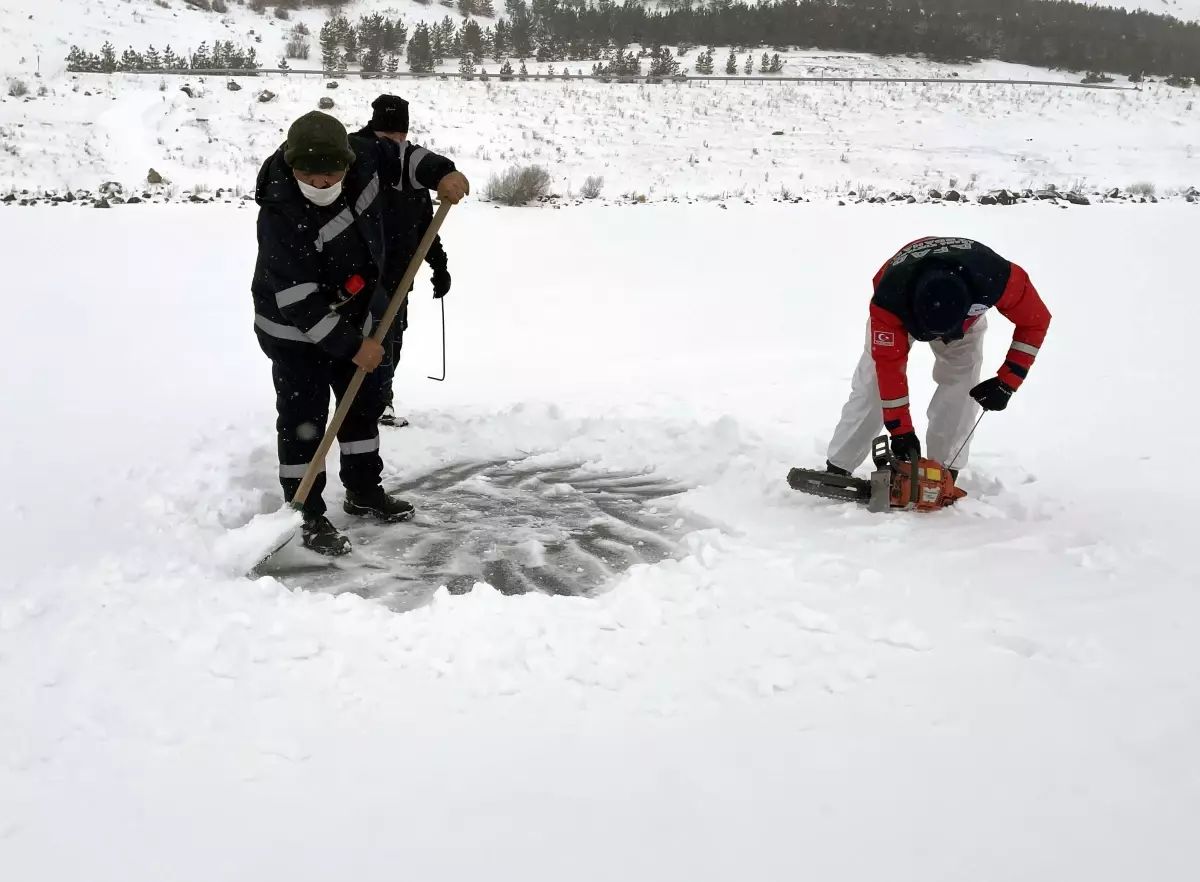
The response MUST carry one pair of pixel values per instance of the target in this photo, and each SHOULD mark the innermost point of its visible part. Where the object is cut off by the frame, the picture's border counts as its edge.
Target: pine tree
(550, 72)
(217, 59)
(731, 64)
(663, 63)
(251, 62)
(506, 71)
(153, 59)
(451, 40)
(342, 64)
(76, 59)
(487, 44)
(329, 46)
(169, 59)
(749, 68)
(283, 65)
(465, 7)
(704, 62)
(420, 49)
(372, 60)
(395, 35)
(764, 65)
(776, 64)
(472, 39)
(130, 60)
(500, 43)
(521, 37)
(351, 43)
(108, 58)
(485, 8)
(466, 66)
(523, 73)
(200, 59)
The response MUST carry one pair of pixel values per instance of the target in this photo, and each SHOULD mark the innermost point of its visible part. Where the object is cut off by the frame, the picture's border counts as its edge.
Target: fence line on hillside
(640, 78)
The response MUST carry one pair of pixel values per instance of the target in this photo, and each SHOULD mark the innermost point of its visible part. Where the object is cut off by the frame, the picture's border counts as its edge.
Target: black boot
(836, 470)
(377, 504)
(322, 537)
(389, 418)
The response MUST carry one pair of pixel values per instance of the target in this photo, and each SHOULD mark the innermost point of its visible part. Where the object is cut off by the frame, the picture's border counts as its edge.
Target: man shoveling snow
(317, 297)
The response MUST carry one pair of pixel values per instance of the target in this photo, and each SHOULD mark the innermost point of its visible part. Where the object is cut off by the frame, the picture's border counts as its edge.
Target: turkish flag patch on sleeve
(885, 338)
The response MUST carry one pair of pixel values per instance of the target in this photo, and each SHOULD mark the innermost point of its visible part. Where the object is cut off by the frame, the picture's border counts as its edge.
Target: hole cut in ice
(519, 526)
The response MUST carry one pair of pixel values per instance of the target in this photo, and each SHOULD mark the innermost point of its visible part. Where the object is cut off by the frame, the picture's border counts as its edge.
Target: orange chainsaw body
(915, 485)
(931, 490)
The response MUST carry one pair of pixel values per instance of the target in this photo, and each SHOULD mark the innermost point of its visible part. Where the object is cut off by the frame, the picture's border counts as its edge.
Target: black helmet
(941, 302)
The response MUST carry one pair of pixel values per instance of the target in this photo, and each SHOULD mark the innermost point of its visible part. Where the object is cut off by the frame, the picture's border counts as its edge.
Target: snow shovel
(288, 519)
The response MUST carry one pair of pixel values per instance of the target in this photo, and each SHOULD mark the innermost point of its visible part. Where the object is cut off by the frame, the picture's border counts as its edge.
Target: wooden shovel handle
(385, 324)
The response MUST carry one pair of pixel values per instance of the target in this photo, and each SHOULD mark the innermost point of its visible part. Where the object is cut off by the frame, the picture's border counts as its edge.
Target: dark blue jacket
(317, 281)
(407, 214)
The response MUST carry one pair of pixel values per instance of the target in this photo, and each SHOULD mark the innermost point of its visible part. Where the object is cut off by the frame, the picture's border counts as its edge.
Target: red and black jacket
(992, 280)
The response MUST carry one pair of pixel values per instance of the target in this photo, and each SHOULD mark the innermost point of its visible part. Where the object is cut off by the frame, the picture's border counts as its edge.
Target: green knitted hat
(317, 143)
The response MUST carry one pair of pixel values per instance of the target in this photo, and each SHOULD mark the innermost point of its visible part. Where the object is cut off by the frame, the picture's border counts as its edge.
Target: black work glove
(441, 283)
(993, 394)
(906, 446)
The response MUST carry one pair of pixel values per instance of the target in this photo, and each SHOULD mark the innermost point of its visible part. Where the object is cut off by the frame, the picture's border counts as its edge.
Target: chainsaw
(908, 485)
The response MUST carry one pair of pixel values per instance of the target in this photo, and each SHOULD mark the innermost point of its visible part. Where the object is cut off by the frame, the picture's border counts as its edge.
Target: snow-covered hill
(30, 29)
(699, 141)
(35, 35)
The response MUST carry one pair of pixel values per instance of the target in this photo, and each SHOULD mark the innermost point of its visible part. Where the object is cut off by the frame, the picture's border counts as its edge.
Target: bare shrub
(219, 6)
(282, 14)
(298, 48)
(591, 187)
(1142, 188)
(519, 185)
(17, 88)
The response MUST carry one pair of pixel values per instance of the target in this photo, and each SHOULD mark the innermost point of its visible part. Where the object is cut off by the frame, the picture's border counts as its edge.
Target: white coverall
(952, 411)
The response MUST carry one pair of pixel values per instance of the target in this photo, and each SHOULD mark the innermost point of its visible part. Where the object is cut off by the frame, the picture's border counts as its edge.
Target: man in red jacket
(937, 290)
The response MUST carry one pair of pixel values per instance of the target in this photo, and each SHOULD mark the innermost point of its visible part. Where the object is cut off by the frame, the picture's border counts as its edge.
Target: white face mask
(317, 196)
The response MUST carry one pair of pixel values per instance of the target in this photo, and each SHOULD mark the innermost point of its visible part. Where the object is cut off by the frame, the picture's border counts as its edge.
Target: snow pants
(952, 411)
(303, 381)
(391, 353)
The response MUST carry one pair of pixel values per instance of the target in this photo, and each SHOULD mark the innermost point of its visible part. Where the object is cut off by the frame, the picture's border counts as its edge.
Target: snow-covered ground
(691, 141)
(1007, 690)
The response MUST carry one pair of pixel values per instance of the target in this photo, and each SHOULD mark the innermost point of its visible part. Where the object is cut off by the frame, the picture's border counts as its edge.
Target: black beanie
(940, 302)
(390, 114)
(317, 143)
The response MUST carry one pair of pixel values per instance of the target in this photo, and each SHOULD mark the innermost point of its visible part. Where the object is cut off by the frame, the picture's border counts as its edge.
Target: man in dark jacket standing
(317, 297)
(407, 214)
